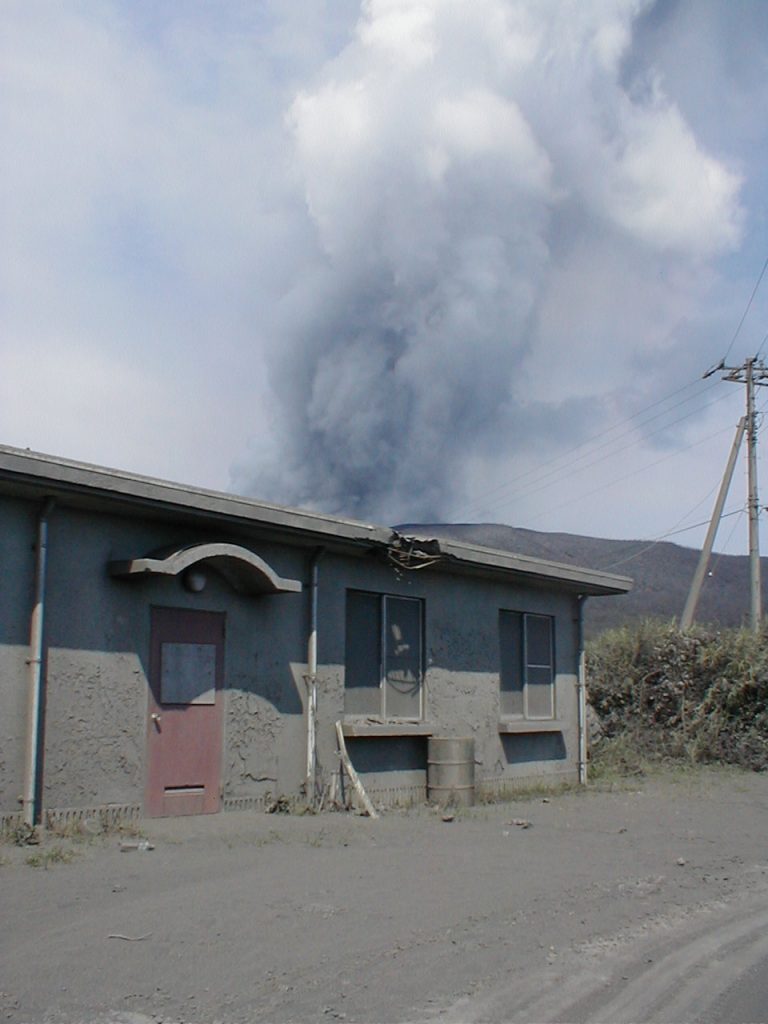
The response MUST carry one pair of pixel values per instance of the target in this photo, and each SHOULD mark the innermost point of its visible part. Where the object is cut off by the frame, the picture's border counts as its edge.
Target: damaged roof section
(413, 552)
(31, 474)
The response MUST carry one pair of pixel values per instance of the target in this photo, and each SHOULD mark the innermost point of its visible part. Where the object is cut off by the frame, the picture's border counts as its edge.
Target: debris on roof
(412, 552)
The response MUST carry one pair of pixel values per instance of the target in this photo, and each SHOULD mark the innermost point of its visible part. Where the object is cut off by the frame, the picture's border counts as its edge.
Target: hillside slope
(662, 572)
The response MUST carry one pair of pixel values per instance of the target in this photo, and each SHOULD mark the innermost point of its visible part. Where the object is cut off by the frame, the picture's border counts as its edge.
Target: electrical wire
(675, 530)
(532, 487)
(622, 450)
(648, 544)
(477, 507)
(720, 554)
(629, 476)
(503, 488)
(670, 533)
(706, 522)
(744, 314)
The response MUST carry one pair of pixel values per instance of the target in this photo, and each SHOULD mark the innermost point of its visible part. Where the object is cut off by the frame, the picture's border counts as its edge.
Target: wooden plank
(353, 774)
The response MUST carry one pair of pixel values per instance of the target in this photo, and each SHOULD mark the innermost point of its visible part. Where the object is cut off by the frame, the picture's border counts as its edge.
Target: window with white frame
(383, 656)
(527, 665)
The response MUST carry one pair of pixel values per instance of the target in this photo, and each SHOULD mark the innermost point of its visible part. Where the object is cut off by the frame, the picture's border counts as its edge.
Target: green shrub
(700, 695)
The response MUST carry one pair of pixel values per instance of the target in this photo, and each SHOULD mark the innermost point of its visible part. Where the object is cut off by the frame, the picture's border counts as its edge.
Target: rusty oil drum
(451, 771)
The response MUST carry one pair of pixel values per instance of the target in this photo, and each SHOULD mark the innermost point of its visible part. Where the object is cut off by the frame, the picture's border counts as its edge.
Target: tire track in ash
(676, 968)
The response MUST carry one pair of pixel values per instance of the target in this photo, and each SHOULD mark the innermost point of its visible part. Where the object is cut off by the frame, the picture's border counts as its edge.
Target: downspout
(35, 677)
(311, 679)
(581, 691)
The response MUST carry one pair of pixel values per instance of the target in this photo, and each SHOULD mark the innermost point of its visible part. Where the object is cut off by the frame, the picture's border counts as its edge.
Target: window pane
(362, 660)
(540, 693)
(539, 674)
(511, 663)
(538, 639)
(402, 657)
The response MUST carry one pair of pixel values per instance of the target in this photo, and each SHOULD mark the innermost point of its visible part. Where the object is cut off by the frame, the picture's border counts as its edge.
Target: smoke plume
(463, 165)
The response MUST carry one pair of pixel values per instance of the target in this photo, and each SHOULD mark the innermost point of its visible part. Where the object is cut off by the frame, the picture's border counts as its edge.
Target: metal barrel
(451, 770)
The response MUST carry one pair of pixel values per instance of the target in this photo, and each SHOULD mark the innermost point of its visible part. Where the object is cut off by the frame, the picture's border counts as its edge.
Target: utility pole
(754, 508)
(706, 552)
(752, 374)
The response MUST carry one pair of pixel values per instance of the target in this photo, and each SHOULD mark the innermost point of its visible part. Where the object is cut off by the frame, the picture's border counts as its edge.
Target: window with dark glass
(526, 665)
(383, 656)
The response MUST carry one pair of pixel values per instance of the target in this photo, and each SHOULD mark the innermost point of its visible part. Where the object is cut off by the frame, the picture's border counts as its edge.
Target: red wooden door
(184, 724)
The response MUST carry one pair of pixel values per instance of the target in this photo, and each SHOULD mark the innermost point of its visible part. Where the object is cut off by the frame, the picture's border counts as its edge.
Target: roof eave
(55, 477)
(59, 477)
(589, 582)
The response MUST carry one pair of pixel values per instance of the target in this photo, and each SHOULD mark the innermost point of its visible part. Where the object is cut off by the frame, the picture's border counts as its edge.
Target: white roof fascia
(119, 485)
(476, 554)
(52, 474)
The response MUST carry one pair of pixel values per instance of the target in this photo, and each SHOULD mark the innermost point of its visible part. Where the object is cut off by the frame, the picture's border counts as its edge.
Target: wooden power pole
(752, 374)
(706, 552)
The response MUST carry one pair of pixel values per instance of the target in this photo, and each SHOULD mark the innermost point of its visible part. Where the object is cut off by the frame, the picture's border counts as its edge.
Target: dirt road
(644, 904)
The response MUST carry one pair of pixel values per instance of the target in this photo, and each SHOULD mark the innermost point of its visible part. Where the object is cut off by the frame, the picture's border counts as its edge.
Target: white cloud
(400, 30)
(379, 256)
(484, 220)
(481, 125)
(667, 192)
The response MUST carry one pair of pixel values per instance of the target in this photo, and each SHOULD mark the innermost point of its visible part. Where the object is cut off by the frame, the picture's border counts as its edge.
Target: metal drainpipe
(311, 679)
(35, 682)
(581, 690)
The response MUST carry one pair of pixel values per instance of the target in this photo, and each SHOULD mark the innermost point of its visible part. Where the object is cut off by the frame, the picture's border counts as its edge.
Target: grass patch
(271, 837)
(528, 791)
(664, 697)
(93, 827)
(318, 838)
(53, 855)
(18, 833)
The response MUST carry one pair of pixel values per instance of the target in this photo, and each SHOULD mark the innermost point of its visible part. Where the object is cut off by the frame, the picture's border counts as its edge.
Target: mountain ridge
(662, 572)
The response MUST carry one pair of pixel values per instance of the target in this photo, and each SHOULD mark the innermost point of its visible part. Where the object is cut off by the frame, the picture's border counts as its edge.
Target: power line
(744, 314)
(705, 522)
(647, 545)
(501, 488)
(752, 374)
(532, 487)
(628, 476)
(727, 542)
(671, 533)
(624, 448)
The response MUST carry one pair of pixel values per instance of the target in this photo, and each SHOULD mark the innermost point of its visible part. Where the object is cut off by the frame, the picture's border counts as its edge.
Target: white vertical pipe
(311, 781)
(35, 676)
(581, 690)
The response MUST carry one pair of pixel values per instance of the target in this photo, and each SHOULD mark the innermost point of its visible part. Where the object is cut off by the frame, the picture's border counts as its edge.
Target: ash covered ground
(645, 901)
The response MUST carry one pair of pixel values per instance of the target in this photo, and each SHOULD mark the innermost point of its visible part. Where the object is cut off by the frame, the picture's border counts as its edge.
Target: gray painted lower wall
(97, 638)
(13, 718)
(461, 683)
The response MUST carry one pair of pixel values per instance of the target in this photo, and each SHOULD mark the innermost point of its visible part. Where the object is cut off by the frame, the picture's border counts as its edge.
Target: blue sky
(405, 259)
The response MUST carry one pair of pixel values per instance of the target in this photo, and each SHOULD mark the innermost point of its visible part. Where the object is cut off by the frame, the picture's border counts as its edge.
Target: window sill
(367, 728)
(520, 725)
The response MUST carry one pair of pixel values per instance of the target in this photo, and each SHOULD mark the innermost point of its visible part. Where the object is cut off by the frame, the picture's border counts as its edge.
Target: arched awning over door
(244, 571)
